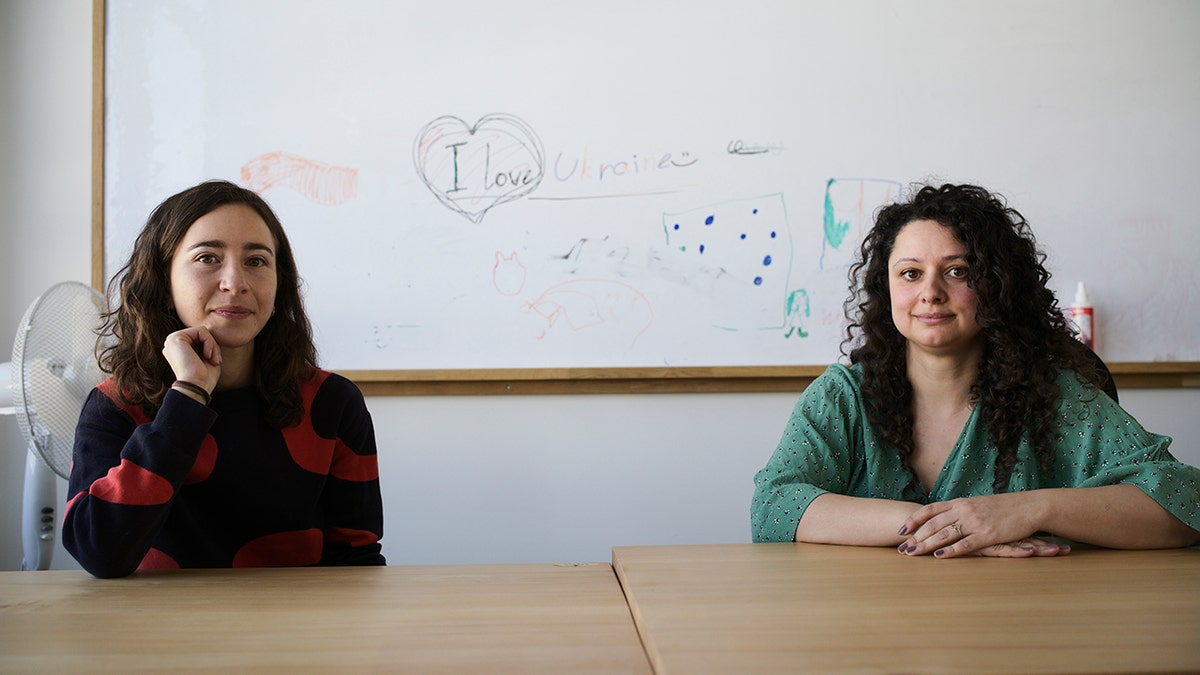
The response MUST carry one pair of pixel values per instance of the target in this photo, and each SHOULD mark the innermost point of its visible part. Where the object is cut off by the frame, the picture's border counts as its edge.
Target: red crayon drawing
(316, 181)
(508, 274)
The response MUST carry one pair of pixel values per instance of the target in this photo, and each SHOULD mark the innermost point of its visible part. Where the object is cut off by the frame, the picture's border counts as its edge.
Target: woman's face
(932, 306)
(223, 275)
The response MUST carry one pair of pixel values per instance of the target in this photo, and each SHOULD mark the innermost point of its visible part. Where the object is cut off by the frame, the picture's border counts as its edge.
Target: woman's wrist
(193, 391)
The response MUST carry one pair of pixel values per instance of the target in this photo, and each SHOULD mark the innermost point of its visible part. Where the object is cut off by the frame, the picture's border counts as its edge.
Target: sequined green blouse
(829, 446)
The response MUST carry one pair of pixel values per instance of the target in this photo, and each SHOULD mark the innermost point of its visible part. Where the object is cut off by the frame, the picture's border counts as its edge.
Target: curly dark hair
(1026, 335)
(132, 335)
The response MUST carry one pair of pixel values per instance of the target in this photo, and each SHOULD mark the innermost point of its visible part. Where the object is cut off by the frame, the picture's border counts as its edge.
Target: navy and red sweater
(218, 487)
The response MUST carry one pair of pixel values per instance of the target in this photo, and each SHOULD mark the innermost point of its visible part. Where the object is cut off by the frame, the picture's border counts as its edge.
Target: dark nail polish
(940, 552)
(903, 530)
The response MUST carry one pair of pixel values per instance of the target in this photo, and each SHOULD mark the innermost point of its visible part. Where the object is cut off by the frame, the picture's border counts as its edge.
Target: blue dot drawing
(737, 257)
(726, 242)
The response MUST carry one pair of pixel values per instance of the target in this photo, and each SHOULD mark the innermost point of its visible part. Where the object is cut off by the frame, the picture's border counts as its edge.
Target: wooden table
(747, 608)
(458, 619)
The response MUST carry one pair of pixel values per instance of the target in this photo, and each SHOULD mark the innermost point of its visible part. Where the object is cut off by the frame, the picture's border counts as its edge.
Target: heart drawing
(470, 169)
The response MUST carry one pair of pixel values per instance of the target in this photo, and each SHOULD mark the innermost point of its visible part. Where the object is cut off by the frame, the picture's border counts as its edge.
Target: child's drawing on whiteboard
(606, 255)
(315, 181)
(473, 168)
(799, 310)
(744, 247)
(616, 311)
(850, 205)
(508, 274)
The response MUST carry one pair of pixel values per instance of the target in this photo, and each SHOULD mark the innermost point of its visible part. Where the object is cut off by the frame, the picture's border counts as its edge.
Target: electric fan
(52, 371)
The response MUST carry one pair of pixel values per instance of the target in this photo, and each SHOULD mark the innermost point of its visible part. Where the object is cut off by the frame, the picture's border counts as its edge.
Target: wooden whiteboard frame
(508, 381)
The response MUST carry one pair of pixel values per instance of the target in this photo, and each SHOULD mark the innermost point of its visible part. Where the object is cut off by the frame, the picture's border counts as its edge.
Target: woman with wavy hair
(969, 421)
(217, 441)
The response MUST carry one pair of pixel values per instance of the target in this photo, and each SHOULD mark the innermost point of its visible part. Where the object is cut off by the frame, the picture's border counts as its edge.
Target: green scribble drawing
(835, 231)
(798, 308)
(849, 203)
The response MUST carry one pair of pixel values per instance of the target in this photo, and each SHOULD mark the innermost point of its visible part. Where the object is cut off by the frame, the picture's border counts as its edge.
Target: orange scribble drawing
(316, 181)
(588, 304)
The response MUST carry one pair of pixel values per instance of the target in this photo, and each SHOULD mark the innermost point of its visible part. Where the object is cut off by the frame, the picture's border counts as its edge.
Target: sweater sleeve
(352, 501)
(820, 452)
(125, 473)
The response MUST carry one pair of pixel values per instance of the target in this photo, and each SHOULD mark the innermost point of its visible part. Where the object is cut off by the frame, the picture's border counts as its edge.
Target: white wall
(465, 479)
(45, 192)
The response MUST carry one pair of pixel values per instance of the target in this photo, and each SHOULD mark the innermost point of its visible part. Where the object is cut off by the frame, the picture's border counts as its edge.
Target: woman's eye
(206, 258)
(909, 275)
(958, 272)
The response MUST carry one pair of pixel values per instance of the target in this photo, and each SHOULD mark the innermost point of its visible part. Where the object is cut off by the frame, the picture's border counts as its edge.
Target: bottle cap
(1081, 298)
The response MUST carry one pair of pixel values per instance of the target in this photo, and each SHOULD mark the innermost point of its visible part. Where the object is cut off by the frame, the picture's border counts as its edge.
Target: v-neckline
(955, 450)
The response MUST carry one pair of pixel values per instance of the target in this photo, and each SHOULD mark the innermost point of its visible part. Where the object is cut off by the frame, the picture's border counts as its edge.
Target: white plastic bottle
(1083, 317)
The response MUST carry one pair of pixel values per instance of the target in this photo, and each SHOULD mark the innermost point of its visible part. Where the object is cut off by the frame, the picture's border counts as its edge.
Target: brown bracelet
(195, 389)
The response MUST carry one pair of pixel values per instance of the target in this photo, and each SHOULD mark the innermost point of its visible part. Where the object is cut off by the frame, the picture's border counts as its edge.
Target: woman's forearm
(858, 521)
(1113, 516)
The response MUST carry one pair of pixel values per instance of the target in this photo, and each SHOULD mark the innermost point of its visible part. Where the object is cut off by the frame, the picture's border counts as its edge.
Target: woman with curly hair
(969, 421)
(217, 441)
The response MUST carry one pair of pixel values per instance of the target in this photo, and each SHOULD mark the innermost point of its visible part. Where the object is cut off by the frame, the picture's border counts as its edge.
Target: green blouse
(829, 446)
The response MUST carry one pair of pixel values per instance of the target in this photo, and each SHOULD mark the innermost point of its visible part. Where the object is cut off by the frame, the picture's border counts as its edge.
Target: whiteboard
(650, 183)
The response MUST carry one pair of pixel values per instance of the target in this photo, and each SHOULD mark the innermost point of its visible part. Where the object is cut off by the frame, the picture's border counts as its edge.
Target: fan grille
(55, 352)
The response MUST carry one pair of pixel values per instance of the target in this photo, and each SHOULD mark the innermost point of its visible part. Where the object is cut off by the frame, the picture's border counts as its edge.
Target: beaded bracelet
(195, 389)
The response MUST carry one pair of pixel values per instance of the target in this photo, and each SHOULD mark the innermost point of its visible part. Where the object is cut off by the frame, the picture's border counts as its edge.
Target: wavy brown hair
(1026, 335)
(132, 335)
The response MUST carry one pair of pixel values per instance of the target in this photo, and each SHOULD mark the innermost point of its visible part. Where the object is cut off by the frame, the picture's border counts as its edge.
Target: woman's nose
(233, 279)
(933, 290)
